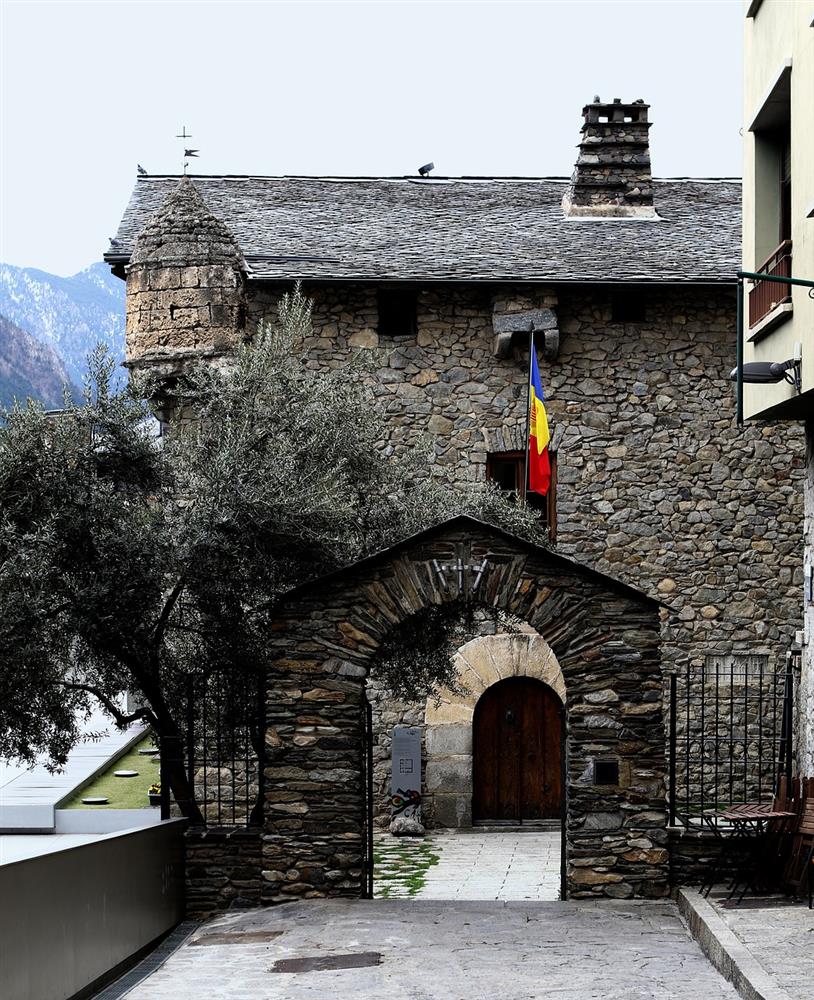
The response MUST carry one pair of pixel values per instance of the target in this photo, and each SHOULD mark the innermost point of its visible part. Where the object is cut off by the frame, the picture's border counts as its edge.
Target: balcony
(765, 296)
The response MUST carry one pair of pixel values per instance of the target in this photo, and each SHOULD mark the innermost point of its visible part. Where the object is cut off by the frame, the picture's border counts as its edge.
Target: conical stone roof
(183, 232)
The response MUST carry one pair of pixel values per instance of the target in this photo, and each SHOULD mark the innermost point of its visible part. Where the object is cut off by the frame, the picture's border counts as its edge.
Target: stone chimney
(185, 287)
(612, 177)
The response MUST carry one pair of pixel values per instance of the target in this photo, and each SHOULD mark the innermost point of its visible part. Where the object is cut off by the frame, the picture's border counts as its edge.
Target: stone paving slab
(495, 865)
(430, 950)
(780, 935)
(488, 864)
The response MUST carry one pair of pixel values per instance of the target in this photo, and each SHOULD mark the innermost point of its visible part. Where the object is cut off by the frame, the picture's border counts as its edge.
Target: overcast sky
(91, 89)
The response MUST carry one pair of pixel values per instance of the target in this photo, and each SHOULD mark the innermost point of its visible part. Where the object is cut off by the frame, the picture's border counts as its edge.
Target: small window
(507, 468)
(606, 772)
(397, 314)
(627, 306)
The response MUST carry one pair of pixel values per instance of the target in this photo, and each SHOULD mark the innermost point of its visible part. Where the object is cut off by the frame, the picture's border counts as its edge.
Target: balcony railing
(765, 295)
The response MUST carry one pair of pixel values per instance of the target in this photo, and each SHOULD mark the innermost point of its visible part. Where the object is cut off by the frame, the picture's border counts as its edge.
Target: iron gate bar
(727, 760)
(369, 722)
(224, 743)
(673, 740)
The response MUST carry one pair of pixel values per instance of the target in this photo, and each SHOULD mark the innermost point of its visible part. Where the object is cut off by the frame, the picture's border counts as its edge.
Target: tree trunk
(174, 776)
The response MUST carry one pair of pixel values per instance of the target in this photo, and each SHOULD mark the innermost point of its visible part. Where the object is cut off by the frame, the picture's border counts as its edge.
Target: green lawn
(121, 793)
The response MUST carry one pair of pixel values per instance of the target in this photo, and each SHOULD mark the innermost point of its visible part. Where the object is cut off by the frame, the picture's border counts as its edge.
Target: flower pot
(155, 798)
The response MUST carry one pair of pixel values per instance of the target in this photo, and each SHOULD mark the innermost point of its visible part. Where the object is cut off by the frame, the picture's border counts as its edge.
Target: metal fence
(366, 773)
(731, 734)
(224, 746)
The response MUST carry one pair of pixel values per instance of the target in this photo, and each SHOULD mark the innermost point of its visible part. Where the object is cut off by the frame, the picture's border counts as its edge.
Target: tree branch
(166, 611)
(121, 720)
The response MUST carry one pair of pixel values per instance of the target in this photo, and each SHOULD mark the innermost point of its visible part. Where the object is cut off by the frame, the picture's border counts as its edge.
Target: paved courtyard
(477, 864)
(427, 950)
(779, 932)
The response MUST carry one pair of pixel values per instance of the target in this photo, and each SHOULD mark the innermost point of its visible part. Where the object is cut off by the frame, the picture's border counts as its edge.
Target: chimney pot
(612, 176)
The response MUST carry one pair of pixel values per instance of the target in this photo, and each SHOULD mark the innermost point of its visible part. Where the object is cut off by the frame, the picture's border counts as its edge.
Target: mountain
(29, 367)
(70, 314)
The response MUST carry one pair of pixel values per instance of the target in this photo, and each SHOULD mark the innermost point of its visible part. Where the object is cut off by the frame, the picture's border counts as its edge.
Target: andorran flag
(539, 463)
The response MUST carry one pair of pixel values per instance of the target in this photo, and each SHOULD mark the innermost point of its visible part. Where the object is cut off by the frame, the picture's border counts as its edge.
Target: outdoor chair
(798, 870)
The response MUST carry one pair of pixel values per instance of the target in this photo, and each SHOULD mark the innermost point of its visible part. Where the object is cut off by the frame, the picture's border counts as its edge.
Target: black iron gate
(366, 773)
(225, 746)
(731, 734)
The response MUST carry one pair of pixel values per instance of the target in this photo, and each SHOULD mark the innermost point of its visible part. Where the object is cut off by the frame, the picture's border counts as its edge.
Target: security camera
(425, 170)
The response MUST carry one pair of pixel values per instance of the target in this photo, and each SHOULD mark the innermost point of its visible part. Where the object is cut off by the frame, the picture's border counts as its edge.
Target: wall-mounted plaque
(405, 781)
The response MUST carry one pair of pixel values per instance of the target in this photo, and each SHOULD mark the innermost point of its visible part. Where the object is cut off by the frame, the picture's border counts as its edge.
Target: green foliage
(415, 659)
(129, 562)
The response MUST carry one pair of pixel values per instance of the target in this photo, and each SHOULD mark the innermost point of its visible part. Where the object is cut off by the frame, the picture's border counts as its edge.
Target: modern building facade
(778, 239)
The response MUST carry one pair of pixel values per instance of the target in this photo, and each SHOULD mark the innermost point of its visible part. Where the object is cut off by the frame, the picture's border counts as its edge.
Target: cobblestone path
(474, 865)
(426, 950)
(401, 864)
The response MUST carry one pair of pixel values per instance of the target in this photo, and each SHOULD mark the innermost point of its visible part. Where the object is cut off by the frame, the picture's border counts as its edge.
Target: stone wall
(692, 855)
(605, 639)
(806, 691)
(656, 484)
(223, 871)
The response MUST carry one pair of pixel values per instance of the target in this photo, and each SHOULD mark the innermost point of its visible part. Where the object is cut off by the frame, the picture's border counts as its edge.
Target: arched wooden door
(517, 743)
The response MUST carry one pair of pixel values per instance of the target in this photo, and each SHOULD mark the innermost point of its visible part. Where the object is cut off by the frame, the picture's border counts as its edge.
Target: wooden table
(751, 826)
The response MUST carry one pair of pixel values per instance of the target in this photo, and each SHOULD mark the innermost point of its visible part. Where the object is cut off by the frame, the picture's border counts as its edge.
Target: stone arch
(481, 663)
(605, 638)
(484, 661)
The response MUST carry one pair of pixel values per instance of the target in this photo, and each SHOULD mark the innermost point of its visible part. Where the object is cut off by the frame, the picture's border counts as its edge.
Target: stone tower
(612, 175)
(185, 287)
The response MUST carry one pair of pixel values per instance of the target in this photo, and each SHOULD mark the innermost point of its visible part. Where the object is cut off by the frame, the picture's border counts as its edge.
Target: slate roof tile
(457, 229)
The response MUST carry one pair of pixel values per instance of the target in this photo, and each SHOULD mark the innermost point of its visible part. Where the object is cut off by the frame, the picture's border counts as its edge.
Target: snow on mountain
(71, 314)
(29, 368)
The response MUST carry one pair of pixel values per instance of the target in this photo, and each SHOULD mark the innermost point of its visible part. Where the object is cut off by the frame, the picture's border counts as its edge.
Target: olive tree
(133, 562)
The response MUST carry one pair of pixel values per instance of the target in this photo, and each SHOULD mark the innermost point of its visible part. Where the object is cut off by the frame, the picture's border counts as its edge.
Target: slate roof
(184, 231)
(456, 229)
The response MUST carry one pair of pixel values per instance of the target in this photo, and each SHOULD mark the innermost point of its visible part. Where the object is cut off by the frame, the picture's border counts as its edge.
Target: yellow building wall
(781, 30)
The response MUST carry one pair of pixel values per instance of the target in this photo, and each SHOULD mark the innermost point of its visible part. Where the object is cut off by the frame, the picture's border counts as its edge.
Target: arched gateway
(603, 662)
(517, 752)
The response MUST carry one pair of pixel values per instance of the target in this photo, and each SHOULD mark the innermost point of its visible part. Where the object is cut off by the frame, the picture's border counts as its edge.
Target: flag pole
(528, 422)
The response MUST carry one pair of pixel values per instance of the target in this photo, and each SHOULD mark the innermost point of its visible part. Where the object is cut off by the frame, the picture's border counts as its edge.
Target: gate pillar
(313, 842)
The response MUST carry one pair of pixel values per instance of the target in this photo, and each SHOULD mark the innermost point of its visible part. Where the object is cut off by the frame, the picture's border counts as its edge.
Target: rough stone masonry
(657, 486)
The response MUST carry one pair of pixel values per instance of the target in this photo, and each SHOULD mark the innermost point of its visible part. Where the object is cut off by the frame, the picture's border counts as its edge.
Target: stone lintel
(508, 325)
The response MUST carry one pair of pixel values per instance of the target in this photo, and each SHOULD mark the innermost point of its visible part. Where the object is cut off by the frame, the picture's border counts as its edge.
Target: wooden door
(517, 732)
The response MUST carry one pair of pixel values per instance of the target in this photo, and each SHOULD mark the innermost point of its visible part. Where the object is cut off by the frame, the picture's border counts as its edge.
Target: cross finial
(183, 134)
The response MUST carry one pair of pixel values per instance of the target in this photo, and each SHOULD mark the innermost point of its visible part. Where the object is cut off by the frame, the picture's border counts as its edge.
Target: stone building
(626, 284)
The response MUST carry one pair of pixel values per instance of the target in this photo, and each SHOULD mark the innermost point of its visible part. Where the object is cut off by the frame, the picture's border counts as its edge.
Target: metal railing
(225, 746)
(730, 735)
(765, 295)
